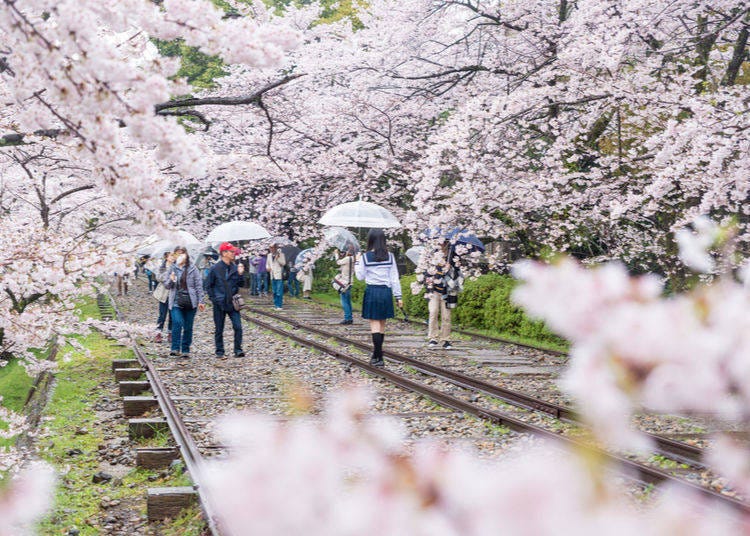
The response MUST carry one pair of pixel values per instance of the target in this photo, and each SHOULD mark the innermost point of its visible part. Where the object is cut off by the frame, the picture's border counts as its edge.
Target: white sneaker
(432, 344)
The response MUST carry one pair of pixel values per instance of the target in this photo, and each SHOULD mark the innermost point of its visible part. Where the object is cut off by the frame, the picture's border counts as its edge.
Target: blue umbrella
(465, 238)
(302, 257)
(456, 235)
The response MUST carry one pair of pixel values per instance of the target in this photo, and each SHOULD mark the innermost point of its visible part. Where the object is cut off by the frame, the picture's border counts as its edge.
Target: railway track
(644, 473)
(187, 447)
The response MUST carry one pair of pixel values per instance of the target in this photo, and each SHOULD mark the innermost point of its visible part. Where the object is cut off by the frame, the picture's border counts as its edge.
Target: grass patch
(666, 463)
(496, 430)
(14, 385)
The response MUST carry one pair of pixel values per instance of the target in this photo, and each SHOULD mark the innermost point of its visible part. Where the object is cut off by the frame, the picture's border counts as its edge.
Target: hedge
(484, 304)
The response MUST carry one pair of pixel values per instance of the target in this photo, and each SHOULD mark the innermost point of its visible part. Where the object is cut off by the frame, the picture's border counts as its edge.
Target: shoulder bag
(238, 302)
(161, 293)
(182, 299)
(341, 285)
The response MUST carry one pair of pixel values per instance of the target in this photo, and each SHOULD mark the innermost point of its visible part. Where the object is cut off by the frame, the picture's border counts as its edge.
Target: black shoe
(377, 362)
(447, 345)
(346, 322)
(239, 354)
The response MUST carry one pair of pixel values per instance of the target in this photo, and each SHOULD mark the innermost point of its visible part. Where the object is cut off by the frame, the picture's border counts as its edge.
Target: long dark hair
(376, 244)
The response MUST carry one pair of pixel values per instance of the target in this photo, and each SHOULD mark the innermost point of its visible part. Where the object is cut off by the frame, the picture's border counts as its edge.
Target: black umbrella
(290, 253)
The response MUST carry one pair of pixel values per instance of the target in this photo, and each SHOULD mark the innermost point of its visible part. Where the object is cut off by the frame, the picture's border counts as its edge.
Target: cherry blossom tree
(93, 140)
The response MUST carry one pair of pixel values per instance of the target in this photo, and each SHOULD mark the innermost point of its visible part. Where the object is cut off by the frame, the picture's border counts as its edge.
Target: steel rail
(182, 437)
(677, 450)
(184, 440)
(645, 474)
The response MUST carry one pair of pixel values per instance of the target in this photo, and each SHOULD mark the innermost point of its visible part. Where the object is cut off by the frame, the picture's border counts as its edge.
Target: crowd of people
(182, 290)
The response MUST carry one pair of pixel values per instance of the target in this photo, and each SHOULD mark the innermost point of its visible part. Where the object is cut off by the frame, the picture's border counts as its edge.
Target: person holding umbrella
(224, 281)
(377, 268)
(346, 265)
(275, 264)
(441, 286)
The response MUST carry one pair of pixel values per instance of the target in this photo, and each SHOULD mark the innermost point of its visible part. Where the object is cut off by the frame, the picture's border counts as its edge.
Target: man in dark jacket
(223, 282)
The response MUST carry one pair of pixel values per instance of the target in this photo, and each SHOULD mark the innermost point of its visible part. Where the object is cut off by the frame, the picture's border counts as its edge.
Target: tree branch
(253, 98)
(188, 113)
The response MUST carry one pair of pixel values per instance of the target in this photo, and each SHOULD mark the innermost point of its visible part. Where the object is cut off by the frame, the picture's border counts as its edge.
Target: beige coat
(275, 265)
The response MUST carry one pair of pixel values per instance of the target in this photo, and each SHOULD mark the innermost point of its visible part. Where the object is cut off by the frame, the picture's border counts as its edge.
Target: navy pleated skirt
(378, 302)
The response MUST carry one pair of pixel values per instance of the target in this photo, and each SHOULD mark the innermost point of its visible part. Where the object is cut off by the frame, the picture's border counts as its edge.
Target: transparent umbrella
(359, 214)
(180, 238)
(414, 253)
(341, 238)
(279, 241)
(235, 231)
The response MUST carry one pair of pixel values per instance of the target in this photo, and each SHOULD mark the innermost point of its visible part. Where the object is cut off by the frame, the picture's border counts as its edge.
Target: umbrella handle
(406, 318)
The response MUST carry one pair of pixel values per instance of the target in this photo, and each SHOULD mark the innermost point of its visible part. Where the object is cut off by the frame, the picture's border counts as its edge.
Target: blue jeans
(219, 317)
(163, 313)
(278, 292)
(253, 284)
(293, 284)
(262, 282)
(346, 303)
(182, 329)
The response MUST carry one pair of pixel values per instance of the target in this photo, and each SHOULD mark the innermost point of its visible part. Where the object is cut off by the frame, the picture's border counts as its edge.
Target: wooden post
(122, 374)
(138, 405)
(156, 457)
(165, 503)
(125, 363)
(133, 388)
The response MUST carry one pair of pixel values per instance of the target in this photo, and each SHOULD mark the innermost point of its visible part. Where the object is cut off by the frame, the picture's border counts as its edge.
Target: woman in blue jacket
(185, 286)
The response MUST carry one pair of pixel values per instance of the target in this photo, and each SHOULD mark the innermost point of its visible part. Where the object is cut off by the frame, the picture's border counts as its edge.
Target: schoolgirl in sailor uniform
(377, 268)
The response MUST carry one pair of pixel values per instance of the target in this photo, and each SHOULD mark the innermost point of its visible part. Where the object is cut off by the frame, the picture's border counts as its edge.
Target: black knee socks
(377, 353)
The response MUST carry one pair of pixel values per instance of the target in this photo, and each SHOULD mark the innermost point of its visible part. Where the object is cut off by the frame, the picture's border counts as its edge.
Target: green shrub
(472, 301)
(325, 269)
(500, 314)
(358, 292)
(414, 305)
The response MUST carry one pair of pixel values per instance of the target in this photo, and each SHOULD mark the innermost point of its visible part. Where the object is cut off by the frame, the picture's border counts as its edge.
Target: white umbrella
(234, 231)
(414, 253)
(180, 238)
(359, 214)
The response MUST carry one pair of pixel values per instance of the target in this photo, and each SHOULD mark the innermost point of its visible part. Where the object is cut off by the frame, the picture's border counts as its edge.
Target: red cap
(227, 246)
